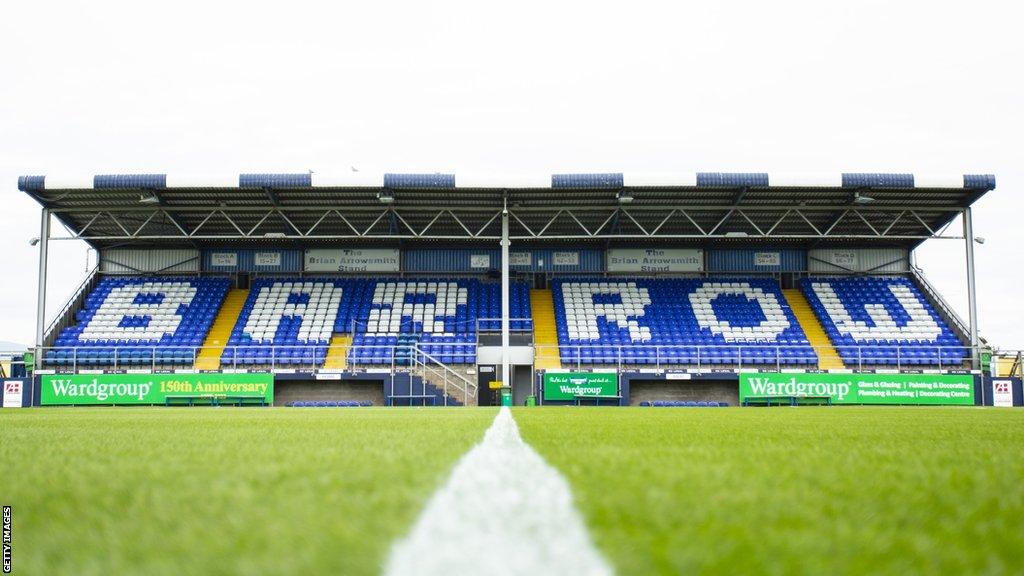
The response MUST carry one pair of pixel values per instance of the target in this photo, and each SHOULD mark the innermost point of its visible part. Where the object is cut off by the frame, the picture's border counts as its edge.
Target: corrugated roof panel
(732, 179)
(873, 260)
(870, 180)
(980, 181)
(935, 198)
(303, 180)
(252, 260)
(560, 260)
(433, 181)
(757, 260)
(609, 180)
(141, 260)
(450, 259)
(129, 181)
(31, 183)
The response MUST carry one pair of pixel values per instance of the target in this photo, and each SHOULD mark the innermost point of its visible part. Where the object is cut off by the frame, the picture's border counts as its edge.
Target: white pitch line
(503, 510)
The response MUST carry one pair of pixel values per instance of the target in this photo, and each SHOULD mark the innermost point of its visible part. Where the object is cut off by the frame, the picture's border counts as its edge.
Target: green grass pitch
(851, 490)
(303, 491)
(155, 491)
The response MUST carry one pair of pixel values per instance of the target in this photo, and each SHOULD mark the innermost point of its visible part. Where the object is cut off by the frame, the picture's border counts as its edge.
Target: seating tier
(442, 317)
(678, 321)
(290, 321)
(882, 321)
(140, 321)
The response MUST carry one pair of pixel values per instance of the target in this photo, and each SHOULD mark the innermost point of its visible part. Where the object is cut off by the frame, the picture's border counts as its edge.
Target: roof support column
(504, 298)
(44, 244)
(972, 302)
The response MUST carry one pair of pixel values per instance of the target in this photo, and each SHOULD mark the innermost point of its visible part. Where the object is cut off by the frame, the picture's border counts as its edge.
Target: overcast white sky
(527, 86)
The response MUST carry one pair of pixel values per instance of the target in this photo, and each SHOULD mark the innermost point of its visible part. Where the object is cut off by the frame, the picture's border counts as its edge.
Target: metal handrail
(733, 356)
(7, 359)
(1016, 360)
(359, 326)
(71, 303)
(125, 357)
(718, 356)
(954, 318)
(446, 370)
(529, 321)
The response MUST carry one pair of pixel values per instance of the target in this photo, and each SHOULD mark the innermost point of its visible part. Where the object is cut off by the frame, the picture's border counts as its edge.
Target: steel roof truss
(865, 220)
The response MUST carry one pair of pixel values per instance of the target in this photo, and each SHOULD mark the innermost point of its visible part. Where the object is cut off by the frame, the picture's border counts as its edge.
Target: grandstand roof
(309, 208)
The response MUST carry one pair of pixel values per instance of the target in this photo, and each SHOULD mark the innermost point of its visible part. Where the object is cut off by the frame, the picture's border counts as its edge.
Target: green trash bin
(506, 396)
(531, 400)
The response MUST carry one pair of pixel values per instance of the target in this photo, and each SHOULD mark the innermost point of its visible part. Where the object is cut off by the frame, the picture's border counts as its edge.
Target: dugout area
(289, 389)
(642, 388)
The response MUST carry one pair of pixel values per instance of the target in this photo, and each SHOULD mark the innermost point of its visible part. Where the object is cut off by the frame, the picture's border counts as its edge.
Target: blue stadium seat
(440, 316)
(882, 321)
(289, 321)
(713, 321)
(139, 321)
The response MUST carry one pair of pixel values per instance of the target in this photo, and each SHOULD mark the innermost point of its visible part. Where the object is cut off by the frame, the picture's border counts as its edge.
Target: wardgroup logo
(863, 388)
(768, 387)
(101, 392)
(63, 389)
(567, 386)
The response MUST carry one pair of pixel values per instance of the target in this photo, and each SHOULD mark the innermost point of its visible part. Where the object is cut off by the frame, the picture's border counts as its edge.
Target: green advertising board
(569, 385)
(150, 388)
(931, 389)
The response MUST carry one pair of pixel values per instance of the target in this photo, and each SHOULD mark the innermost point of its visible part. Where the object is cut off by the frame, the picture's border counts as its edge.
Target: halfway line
(503, 510)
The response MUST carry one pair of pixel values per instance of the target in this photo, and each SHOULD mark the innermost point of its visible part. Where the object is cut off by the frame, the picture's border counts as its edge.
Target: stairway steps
(828, 357)
(545, 333)
(220, 332)
(418, 384)
(337, 353)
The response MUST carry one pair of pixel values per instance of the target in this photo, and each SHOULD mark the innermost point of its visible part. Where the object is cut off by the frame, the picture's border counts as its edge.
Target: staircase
(424, 386)
(432, 384)
(337, 354)
(828, 358)
(220, 332)
(545, 335)
(448, 383)
(946, 312)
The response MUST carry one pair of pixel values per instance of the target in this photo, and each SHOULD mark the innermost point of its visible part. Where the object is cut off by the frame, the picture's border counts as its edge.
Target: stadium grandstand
(437, 289)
